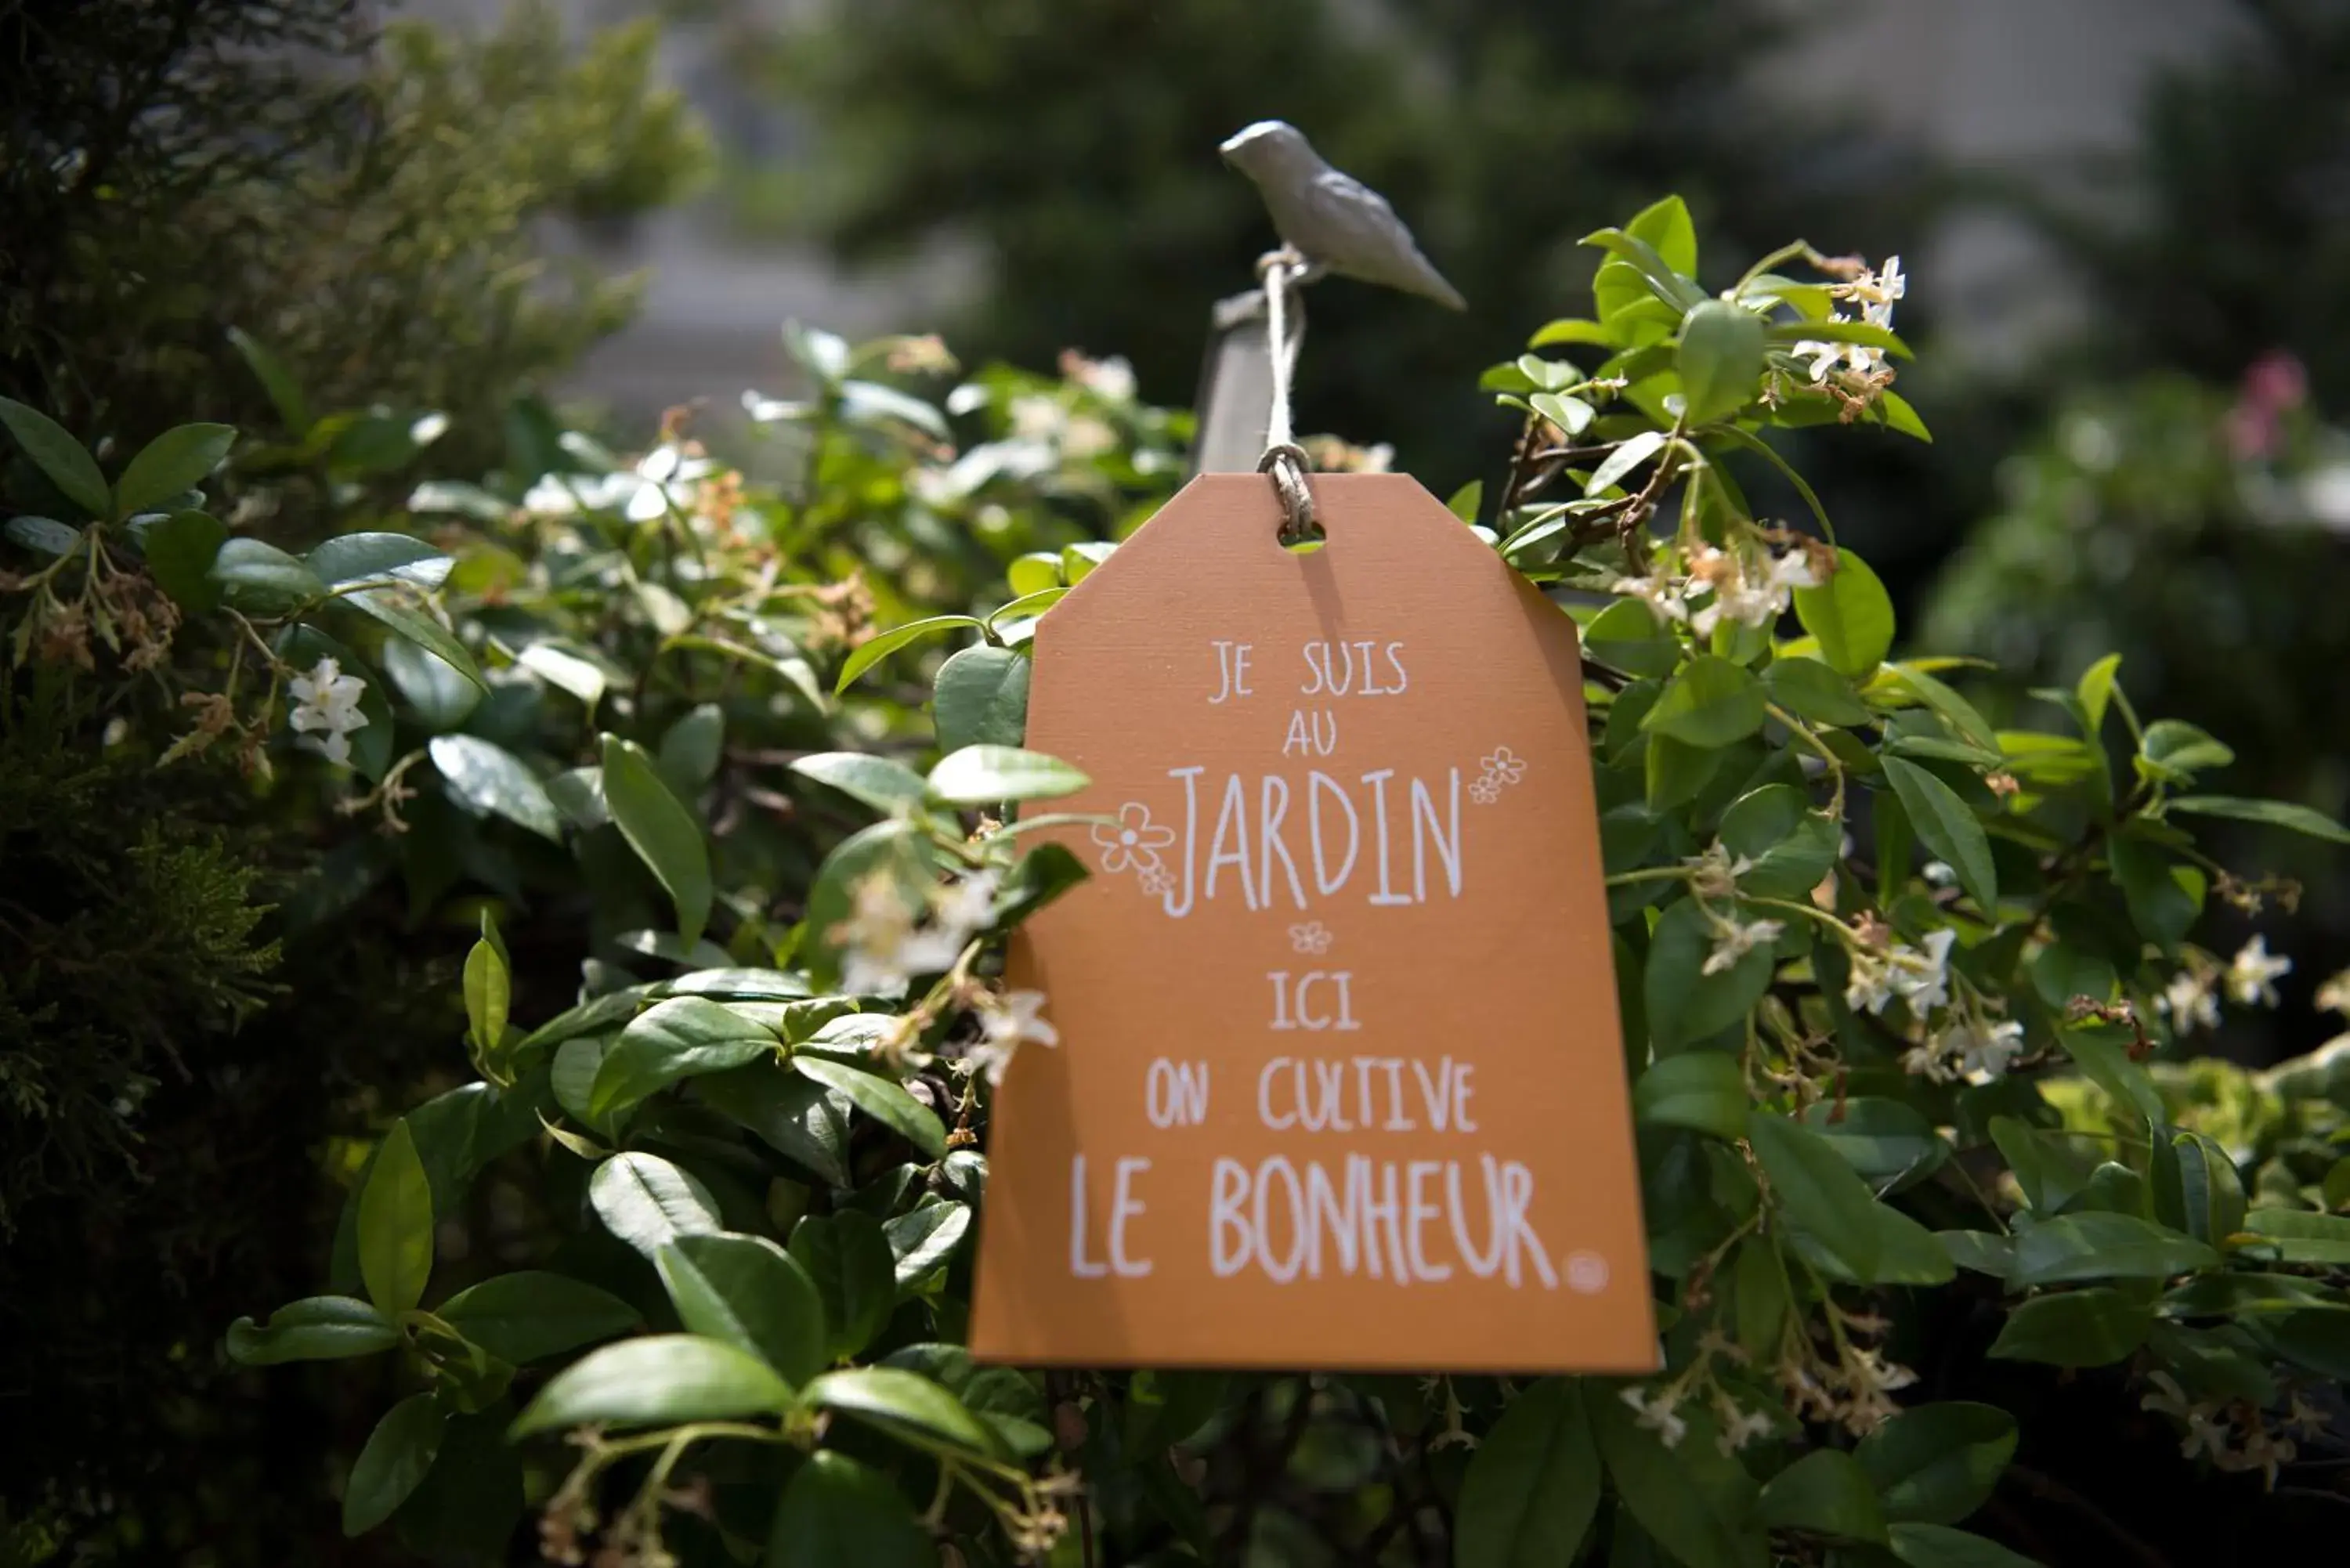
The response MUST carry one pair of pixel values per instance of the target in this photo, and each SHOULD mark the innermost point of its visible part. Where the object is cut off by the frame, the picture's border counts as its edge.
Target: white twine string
(1285, 461)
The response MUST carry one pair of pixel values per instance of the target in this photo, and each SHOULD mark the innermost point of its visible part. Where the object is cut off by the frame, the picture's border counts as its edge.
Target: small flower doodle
(1133, 844)
(1503, 769)
(1313, 937)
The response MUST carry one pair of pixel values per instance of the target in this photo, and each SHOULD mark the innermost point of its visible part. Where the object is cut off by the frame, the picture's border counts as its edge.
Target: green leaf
(680, 1038)
(378, 557)
(1532, 1486)
(489, 989)
(1825, 1492)
(2274, 813)
(838, 1511)
(2164, 897)
(1851, 616)
(983, 698)
(1720, 360)
(566, 670)
(1709, 702)
(880, 1098)
(847, 1255)
(390, 606)
(2095, 689)
(1792, 846)
(691, 749)
(55, 452)
(923, 1239)
(897, 1401)
(887, 786)
(647, 1202)
(662, 831)
(881, 645)
(1704, 1091)
(398, 1454)
(2300, 1236)
(488, 780)
(1948, 829)
(1761, 1294)
(1626, 635)
(1570, 329)
(2076, 1328)
(795, 1116)
(1824, 1203)
(1684, 1004)
(1938, 1463)
(45, 534)
(2103, 1246)
(1883, 1140)
(439, 692)
(180, 553)
(396, 1224)
(1939, 1546)
(1629, 454)
(172, 464)
(285, 392)
(658, 1380)
(318, 1328)
(1570, 414)
(2175, 750)
(253, 576)
(531, 1315)
(750, 1292)
(1694, 1498)
(984, 775)
(1809, 688)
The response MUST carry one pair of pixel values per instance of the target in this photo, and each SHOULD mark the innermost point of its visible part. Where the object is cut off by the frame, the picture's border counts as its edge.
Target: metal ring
(1288, 464)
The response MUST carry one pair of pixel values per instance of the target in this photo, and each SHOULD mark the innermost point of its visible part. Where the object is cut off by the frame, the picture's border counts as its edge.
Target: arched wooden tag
(1340, 1083)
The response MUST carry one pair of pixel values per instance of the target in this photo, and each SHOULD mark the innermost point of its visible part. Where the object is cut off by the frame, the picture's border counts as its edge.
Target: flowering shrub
(1905, 993)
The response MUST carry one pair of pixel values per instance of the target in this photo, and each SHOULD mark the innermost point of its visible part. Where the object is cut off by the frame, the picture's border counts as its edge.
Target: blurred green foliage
(1072, 140)
(363, 200)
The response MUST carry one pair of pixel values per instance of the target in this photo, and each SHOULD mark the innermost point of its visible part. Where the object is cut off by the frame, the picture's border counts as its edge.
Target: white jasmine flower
(2253, 973)
(1923, 978)
(1656, 1412)
(1035, 417)
(1660, 590)
(1941, 874)
(1732, 941)
(1007, 1022)
(1988, 1048)
(1086, 436)
(1715, 875)
(1870, 987)
(1864, 359)
(2334, 996)
(326, 704)
(1793, 570)
(1112, 380)
(2188, 1003)
(1878, 292)
(1927, 1060)
(967, 904)
(1739, 1428)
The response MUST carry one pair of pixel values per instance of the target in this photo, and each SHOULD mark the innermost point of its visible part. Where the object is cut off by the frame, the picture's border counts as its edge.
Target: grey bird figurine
(1335, 222)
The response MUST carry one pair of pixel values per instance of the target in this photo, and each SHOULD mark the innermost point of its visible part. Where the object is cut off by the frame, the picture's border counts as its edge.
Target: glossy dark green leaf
(488, 779)
(1791, 845)
(982, 698)
(648, 1202)
(882, 644)
(1720, 360)
(880, 1099)
(397, 610)
(1704, 1091)
(1939, 1462)
(885, 785)
(690, 750)
(1696, 1500)
(750, 1292)
(838, 1510)
(1825, 1492)
(2076, 1328)
(1708, 702)
(393, 1462)
(533, 1313)
(1532, 1486)
(923, 1239)
(682, 1037)
(172, 464)
(2274, 813)
(664, 835)
(847, 1257)
(53, 450)
(284, 391)
(181, 549)
(261, 578)
(396, 1224)
(984, 775)
(1850, 614)
(2299, 1236)
(318, 1328)
(793, 1114)
(1882, 1140)
(1947, 827)
(1824, 1200)
(1684, 1004)
(1810, 688)
(893, 1400)
(2091, 1246)
(657, 1380)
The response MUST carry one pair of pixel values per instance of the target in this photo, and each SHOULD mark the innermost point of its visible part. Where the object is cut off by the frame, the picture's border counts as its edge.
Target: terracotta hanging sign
(1340, 1083)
